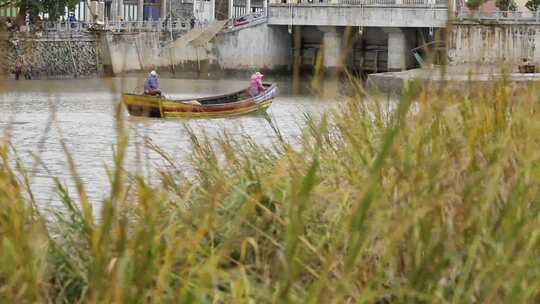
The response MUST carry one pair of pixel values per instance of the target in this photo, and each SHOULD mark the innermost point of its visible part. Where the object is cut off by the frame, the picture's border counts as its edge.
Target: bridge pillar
(332, 61)
(331, 42)
(120, 12)
(140, 9)
(114, 9)
(117, 10)
(88, 13)
(163, 9)
(400, 42)
(231, 9)
(297, 57)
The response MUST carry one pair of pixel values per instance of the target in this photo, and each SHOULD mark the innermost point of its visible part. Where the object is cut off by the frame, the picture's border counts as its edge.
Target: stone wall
(181, 9)
(253, 47)
(222, 9)
(49, 57)
(493, 43)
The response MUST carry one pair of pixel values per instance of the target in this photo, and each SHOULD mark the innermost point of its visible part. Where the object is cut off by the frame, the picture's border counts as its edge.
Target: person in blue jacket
(72, 20)
(151, 85)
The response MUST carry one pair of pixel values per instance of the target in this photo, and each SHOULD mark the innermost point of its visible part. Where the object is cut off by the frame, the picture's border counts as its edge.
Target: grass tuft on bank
(433, 199)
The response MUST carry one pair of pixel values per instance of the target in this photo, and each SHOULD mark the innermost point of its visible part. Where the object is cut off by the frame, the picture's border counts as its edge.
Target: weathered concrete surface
(333, 47)
(492, 43)
(144, 51)
(153, 50)
(400, 42)
(453, 76)
(343, 15)
(104, 66)
(254, 47)
(249, 48)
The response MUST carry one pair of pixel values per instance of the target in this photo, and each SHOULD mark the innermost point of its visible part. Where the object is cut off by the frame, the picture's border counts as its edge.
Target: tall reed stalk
(432, 199)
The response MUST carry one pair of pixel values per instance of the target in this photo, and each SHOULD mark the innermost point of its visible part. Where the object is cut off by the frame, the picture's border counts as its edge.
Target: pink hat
(257, 75)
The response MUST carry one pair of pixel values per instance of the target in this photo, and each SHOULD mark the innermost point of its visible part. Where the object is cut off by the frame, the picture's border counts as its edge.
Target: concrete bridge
(367, 13)
(365, 35)
(370, 35)
(383, 31)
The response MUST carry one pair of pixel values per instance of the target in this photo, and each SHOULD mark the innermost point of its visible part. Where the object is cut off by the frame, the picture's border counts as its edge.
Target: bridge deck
(388, 13)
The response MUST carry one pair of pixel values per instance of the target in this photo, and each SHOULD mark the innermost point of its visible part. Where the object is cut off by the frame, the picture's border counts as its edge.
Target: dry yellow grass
(435, 201)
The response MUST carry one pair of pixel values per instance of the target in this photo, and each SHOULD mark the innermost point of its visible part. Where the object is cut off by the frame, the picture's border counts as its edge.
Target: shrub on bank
(433, 199)
(474, 4)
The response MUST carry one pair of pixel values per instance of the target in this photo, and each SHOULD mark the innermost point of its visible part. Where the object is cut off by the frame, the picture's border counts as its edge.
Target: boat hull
(150, 106)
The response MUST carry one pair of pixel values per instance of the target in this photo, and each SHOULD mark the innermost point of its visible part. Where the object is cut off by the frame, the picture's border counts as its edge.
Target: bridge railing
(249, 19)
(362, 2)
(149, 26)
(174, 25)
(437, 3)
(507, 16)
(63, 26)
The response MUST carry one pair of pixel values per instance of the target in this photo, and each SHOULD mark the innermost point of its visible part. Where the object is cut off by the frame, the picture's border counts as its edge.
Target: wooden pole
(198, 62)
(173, 68)
(297, 59)
(75, 69)
(141, 65)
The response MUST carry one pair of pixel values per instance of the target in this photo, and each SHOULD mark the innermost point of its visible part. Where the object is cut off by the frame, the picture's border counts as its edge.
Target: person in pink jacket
(256, 84)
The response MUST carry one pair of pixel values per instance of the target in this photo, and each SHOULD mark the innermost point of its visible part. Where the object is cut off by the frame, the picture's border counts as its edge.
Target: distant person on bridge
(72, 20)
(256, 86)
(151, 85)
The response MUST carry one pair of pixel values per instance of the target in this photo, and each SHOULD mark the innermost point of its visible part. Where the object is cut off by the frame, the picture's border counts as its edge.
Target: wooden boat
(236, 103)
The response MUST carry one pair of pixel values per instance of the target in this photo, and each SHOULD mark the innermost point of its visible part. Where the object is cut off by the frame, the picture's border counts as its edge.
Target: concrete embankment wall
(493, 43)
(143, 51)
(49, 56)
(255, 47)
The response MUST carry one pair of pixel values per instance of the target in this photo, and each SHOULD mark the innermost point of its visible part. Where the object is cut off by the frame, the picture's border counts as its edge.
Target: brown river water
(84, 116)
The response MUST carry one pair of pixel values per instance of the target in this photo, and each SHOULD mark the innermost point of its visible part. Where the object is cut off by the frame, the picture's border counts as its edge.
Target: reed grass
(432, 199)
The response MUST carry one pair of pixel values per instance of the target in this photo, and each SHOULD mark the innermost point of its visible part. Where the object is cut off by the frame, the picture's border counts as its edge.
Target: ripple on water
(84, 117)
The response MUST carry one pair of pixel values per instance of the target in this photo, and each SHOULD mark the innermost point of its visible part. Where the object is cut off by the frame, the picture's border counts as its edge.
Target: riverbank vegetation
(54, 9)
(434, 199)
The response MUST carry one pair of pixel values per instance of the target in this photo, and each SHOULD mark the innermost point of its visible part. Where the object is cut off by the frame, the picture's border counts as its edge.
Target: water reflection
(84, 116)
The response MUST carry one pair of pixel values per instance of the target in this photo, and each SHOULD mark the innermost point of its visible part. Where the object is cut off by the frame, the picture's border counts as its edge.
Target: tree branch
(9, 3)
